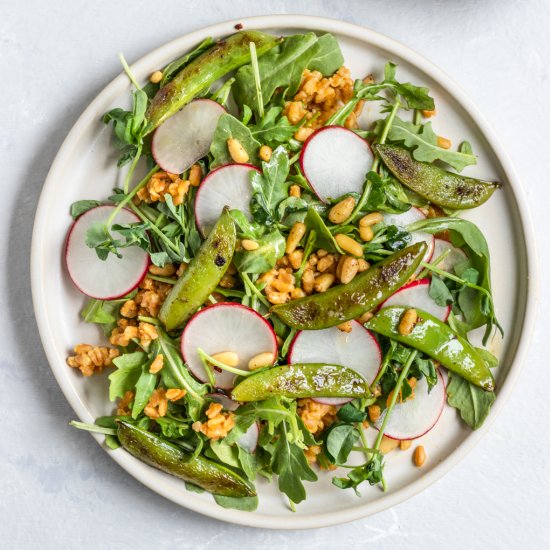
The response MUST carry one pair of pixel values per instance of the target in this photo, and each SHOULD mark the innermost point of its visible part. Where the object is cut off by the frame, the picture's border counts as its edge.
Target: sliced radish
(455, 256)
(406, 218)
(226, 327)
(416, 417)
(230, 186)
(186, 137)
(226, 402)
(103, 279)
(249, 440)
(357, 350)
(335, 161)
(416, 294)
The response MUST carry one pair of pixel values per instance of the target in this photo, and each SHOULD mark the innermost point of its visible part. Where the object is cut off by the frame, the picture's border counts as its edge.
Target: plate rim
(369, 37)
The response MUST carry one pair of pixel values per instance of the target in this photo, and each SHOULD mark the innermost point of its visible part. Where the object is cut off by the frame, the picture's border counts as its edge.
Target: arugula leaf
(225, 453)
(329, 57)
(145, 385)
(173, 428)
(388, 195)
(245, 504)
(439, 292)
(372, 472)
(272, 247)
(422, 140)
(128, 370)
(413, 97)
(177, 65)
(323, 236)
(397, 237)
(79, 207)
(229, 127)
(339, 441)
(274, 128)
(472, 402)
(292, 210)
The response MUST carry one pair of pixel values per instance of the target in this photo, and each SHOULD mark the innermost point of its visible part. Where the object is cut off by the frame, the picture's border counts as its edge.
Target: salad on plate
(287, 288)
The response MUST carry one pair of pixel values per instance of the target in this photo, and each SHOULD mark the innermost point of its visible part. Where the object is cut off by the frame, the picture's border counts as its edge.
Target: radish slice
(230, 186)
(416, 417)
(335, 161)
(406, 218)
(416, 294)
(358, 350)
(249, 440)
(226, 402)
(226, 327)
(103, 279)
(456, 255)
(186, 137)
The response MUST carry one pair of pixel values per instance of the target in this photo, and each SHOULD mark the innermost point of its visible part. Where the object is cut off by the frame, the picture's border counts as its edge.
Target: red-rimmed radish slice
(226, 402)
(357, 350)
(186, 137)
(226, 327)
(249, 440)
(416, 417)
(335, 161)
(103, 279)
(228, 185)
(410, 216)
(455, 256)
(416, 294)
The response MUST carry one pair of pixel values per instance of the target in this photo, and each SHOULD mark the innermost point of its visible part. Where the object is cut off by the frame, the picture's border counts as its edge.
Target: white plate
(85, 168)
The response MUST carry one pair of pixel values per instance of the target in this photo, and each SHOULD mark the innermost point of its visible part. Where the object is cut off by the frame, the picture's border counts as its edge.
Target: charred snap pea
(444, 188)
(169, 458)
(225, 56)
(202, 276)
(437, 340)
(301, 380)
(345, 302)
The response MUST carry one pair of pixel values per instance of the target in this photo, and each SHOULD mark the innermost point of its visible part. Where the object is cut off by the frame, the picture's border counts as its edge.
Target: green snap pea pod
(344, 302)
(202, 276)
(225, 56)
(170, 458)
(301, 380)
(437, 340)
(444, 188)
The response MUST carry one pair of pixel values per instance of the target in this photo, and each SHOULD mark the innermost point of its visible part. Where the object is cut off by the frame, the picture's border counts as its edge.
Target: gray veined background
(58, 489)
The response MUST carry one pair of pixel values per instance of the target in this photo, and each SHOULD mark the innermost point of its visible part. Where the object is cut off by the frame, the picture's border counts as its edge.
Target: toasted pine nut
(363, 265)
(366, 317)
(351, 121)
(228, 281)
(366, 233)
(406, 325)
(348, 270)
(249, 244)
(295, 236)
(157, 364)
(324, 282)
(229, 358)
(312, 260)
(265, 153)
(282, 286)
(195, 175)
(405, 444)
(280, 341)
(387, 445)
(359, 108)
(341, 261)
(308, 280)
(283, 262)
(371, 219)
(175, 394)
(237, 151)
(276, 297)
(268, 276)
(419, 456)
(264, 359)
(156, 77)
(326, 262)
(428, 113)
(167, 271)
(349, 245)
(297, 293)
(303, 133)
(374, 413)
(295, 191)
(345, 327)
(341, 210)
(444, 143)
(321, 253)
(295, 258)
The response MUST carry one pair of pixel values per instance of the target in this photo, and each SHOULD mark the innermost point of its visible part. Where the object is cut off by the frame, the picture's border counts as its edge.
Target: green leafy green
(350, 413)
(439, 292)
(245, 504)
(323, 236)
(272, 247)
(79, 207)
(329, 57)
(128, 370)
(273, 128)
(145, 385)
(339, 441)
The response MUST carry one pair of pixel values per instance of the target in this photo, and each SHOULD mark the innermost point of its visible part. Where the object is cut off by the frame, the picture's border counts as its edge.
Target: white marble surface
(58, 489)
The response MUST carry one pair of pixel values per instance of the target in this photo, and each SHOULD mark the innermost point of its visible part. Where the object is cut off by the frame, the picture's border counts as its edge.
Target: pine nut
(303, 133)
(264, 359)
(281, 285)
(349, 269)
(295, 258)
(444, 143)
(237, 151)
(156, 77)
(428, 113)
(406, 325)
(312, 260)
(363, 265)
(308, 280)
(280, 341)
(268, 276)
(249, 244)
(366, 317)
(419, 456)
(175, 394)
(341, 211)
(231, 270)
(374, 413)
(283, 262)
(345, 327)
(351, 121)
(275, 297)
(157, 364)
(371, 219)
(265, 153)
(229, 358)
(405, 444)
(349, 245)
(387, 445)
(195, 175)
(295, 236)
(321, 253)
(295, 191)
(366, 233)
(339, 266)
(324, 282)
(228, 281)
(297, 293)
(325, 263)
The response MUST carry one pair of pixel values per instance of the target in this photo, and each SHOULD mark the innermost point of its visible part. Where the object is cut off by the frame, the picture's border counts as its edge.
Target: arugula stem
(437, 261)
(417, 117)
(132, 168)
(239, 372)
(364, 449)
(155, 229)
(383, 368)
(209, 370)
(385, 131)
(254, 289)
(92, 428)
(128, 72)
(257, 82)
(362, 201)
(161, 279)
(150, 320)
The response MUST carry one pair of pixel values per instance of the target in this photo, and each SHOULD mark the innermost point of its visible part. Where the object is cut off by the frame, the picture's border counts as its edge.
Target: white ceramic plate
(85, 167)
